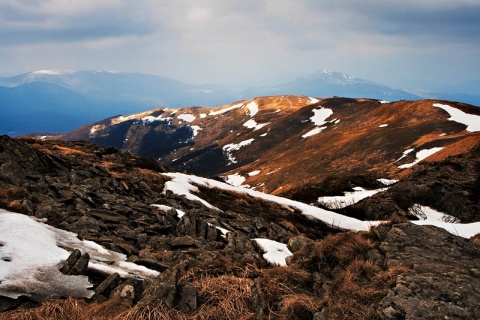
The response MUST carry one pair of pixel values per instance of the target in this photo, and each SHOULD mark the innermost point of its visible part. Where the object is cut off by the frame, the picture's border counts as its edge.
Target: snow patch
(229, 148)
(422, 154)
(261, 125)
(405, 153)
(383, 125)
(472, 121)
(203, 115)
(313, 132)
(235, 180)
(349, 198)
(195, 129)
(274, 252)
(250, 124)
(149, 119)
(95, 128)
(187, 117)
(313, 100)
(252, 107)
(387, 182)
(383, 101)
(30, 254)
(432, 217)
(181, 184)
(253, 173)
(320, 115)
(222, 111)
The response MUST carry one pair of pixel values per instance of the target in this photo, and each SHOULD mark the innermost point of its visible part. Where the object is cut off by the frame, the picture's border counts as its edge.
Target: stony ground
(396, 271)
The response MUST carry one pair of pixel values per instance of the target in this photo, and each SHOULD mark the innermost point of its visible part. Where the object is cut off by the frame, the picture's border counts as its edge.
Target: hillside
(285, 145)
(186, 247)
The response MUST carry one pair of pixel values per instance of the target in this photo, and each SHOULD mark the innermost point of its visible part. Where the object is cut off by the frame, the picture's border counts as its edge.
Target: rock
(107, 215)
(438, 282)
(297, 243)
(8, 303)
(86, 222)
(126, 293)
(107, 285)
(187, 298)
(149, 263)
(212, 233)
(80, 267)
(163, 288)
(72, 259)
(183, 242)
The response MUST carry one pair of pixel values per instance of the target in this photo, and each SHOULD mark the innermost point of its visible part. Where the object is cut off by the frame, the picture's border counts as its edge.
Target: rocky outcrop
(442, 280)
(116, 199)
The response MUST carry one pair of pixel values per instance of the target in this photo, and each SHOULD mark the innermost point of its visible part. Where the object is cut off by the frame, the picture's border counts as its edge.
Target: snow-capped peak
(48, 72)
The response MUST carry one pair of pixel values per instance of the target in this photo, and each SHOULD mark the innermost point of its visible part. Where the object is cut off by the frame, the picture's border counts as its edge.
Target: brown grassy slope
(286, 161)
(356, 145)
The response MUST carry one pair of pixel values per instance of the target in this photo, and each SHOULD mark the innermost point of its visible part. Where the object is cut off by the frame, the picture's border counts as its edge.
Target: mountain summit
(283, 144)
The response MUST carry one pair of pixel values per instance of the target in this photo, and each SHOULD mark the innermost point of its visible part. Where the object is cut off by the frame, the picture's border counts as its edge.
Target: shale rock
(441, 278)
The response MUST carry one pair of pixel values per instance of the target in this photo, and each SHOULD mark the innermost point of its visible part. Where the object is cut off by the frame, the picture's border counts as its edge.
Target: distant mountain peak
(334, 77)
(51, 72)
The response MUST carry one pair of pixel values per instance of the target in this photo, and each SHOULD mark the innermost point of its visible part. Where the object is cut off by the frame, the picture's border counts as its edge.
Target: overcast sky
(401, 43)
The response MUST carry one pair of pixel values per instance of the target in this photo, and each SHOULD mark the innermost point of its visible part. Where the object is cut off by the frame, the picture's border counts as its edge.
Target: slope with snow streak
(422, 154)
(432, 217)
(472, 121)
(183, 184)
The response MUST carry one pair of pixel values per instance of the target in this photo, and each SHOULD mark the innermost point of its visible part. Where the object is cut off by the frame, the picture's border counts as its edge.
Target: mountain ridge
(110, 93)
(282, 143)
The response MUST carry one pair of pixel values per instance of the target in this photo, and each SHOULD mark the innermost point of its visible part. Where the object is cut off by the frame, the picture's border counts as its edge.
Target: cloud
(37, 21)
(242, 41)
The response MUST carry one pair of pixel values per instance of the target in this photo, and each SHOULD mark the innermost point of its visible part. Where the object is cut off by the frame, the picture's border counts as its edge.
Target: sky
(402, 43)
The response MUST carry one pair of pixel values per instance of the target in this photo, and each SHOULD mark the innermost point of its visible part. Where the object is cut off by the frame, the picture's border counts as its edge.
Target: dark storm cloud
(450, 20)
(23, 24)
(239, 40)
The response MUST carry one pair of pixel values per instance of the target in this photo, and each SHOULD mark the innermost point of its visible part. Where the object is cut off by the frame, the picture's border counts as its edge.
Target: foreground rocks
(443, 277)
(398, 271)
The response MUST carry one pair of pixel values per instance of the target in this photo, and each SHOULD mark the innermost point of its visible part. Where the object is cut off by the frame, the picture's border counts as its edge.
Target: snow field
(30, 252)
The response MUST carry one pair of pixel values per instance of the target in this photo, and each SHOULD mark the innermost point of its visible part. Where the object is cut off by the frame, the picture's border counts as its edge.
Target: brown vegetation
(332, 276)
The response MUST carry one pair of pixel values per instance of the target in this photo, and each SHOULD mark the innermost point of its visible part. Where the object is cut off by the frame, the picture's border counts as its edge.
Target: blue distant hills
(52, 101)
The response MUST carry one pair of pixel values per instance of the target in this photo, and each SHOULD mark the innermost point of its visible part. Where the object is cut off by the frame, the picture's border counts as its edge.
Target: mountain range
(291, 145)
(55, 101)
(385, 226)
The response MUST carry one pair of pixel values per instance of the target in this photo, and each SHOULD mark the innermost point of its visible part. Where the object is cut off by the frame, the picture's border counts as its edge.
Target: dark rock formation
(107, 196)
(442, 280)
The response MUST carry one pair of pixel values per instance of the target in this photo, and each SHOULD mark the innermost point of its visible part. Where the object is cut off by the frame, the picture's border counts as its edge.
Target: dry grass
(148, 311)
(331, 276)
(354, 293)
(68, 309)
(299, 306)
(476, 239)
(224, 297)
(335, 250)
